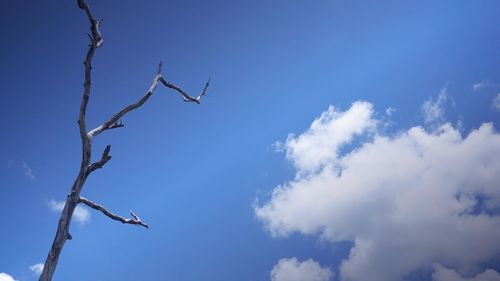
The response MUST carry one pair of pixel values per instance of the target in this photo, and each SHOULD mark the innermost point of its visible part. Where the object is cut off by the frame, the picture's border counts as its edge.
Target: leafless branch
(185, 96)
(204, 91)
(111, 123)
(62, 233)
(73, 198)
(136, 220)
(114, 119)
(117, 124)
(104, 159)
(94, 25)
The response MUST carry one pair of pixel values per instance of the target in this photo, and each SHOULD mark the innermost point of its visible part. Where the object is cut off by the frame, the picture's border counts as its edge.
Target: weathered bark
(86, 168)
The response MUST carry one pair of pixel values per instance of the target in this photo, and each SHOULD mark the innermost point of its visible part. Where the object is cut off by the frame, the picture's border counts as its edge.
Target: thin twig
(104, 159)
(185, 96)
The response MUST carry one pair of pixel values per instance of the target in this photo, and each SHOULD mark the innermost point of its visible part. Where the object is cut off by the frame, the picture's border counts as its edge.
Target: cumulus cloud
(293, 270)
(445, 274)
(81, 214)
(6, 277)
(496, 102)
(319, 145)
(37, 268)
(406, 201)
(433, 110)
(28, 171)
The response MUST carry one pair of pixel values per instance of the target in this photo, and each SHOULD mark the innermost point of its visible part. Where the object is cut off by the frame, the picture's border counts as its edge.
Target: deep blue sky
(193, 172)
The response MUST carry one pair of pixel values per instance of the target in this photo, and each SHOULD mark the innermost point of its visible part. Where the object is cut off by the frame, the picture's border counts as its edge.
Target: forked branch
(111, 123)
(86, 167)
(114, 121)
(136, 220)
(104, 159)
(185, 96)
(94, 25)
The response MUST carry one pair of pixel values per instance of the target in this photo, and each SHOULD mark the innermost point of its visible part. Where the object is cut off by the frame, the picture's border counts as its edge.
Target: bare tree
(86, 167)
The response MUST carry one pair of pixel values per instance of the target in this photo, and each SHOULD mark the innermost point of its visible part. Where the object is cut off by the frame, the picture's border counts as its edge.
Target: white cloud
(6, 277)
(81, 214)
(444, 274)
(28, 171)
(496, 102)
(320, 143)
(406, 201)
(37, 268)
(433, 110)
(389, 111)
(293, 270)
(479, 85)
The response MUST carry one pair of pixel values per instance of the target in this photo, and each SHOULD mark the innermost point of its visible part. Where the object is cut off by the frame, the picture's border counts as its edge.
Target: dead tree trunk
(86, 167)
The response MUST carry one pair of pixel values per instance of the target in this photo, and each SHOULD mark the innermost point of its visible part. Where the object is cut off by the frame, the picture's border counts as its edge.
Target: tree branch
(118, 124)
(111, 123)
(185, 96)
(136, 220)
(95, 42)
(73, 198)
(94, 25)
(104, 159)
(62, 233)
(114, 121)
(204, 91)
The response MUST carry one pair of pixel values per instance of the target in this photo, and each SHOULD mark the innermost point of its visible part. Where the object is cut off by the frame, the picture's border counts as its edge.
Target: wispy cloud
(479, 85)
(495, 104)
(433, 109)
(278, 146)
(37, 268)
(81, 214)
(28, 171)
(389, 111)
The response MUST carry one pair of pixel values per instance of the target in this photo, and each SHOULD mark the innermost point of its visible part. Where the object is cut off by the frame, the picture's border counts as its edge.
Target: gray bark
(86, 167)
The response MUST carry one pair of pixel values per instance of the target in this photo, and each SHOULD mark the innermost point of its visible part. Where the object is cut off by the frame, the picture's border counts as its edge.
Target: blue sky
(199, 174)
